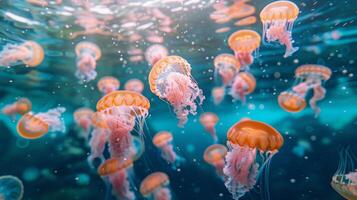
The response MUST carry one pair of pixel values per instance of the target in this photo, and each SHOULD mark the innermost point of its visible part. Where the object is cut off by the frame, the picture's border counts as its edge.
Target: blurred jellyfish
(227, 66)
(121, 109)
(134, 85)
(30, 174)
(301, 147)
(214, 155)
(87, 55)
(209, 121)
(137, 148)
(155, 186)
(278, 19)
(83, 119)
(33, 126)
(21, 106)
(30, 53)
(163, 141)
(244, 83)
(344, 181)
(251, 145)
(309, 77)
(246, 21)
(170, 79)
(244, 43)
(108, 84)
(11, 188)
(218, 94)
(116, 171)
(154, 53)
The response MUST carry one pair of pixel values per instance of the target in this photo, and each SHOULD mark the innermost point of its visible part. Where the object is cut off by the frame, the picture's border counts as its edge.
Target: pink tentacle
(319, 94)
(162, 194)
(121, 186)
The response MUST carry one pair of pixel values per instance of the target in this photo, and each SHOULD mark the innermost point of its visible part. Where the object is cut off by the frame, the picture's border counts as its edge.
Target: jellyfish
(30, 53)
(116, 171)
(244, 83)
(218, 94)
(309, 77)
(163, 141)
(344, 181)
(33, 126)
(170, 79)
(21, 106)
(209, 121)
(278, 19)
(83, 119)
(87, 55)
(154, 53)
(244, 43)
(108, 84)
(155, 186)
(227, 66)
(246, 21)
(251, 145)
(134, 85)
(11, 188)
(214, 155)
(120, 110)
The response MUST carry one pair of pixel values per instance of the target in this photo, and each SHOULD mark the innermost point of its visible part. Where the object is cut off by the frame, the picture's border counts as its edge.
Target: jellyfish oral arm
(319, 94)
(121, 186)
(162, 194)
(168, 153)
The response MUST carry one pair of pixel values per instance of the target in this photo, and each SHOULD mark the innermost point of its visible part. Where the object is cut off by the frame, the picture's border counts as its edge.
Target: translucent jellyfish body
(244, 83)
(155, 186)
(244, 43)
(108, 84)
(218, 94)
(11, 188)
(209, 121)
(116, 171)
(30, 53)
(344, 181)
(137, 148)
(170, 79)
(278, 18)
(33, 126)
(134, 85)
(163, 141)
(83, 119)
(87, 55)
(214, 155)
(120, 110)
(21, 106)
(227, 66)
(251, 144)
(309, 77)
(155, 52)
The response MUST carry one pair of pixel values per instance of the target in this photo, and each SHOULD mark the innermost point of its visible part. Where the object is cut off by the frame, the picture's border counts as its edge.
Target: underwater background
(55, 166)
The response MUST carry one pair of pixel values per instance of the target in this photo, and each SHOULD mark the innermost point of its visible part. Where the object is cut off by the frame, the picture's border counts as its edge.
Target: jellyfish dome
(155, 52)
(209, 121)
(214, 155)
(278, 18)
(170, 79)
(227, 66)
(120, 110)
(155, 186)
(83, 118)
(251, 145)
(134, 85)
(108, 84)
(218, 94)
(163, 141)
(291, 102)
(11, 188)
(21, 106)
(244, 83)
(30, 53)
(87, 55)
(244, 43)
(33, 126)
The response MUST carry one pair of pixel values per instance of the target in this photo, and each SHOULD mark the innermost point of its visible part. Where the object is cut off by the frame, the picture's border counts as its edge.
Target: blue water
(55, 166)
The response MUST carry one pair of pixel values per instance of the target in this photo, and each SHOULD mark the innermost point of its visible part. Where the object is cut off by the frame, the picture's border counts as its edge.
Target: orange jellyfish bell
(82, 113)
(98, 120)
(208, 119)
(244, 41)
(215, 153)
(134, 85)
(255, 134)
(113, 165)
(321, 71)
(162, 138)
(291, 102)
(108, 84)
(279, 10)
(153, 182)
(226, 59)
(23, 105)
(88, 46)
(37, 55)
(31, 127)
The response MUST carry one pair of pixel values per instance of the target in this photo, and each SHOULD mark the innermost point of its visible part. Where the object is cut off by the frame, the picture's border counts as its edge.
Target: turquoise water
(55, 166)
